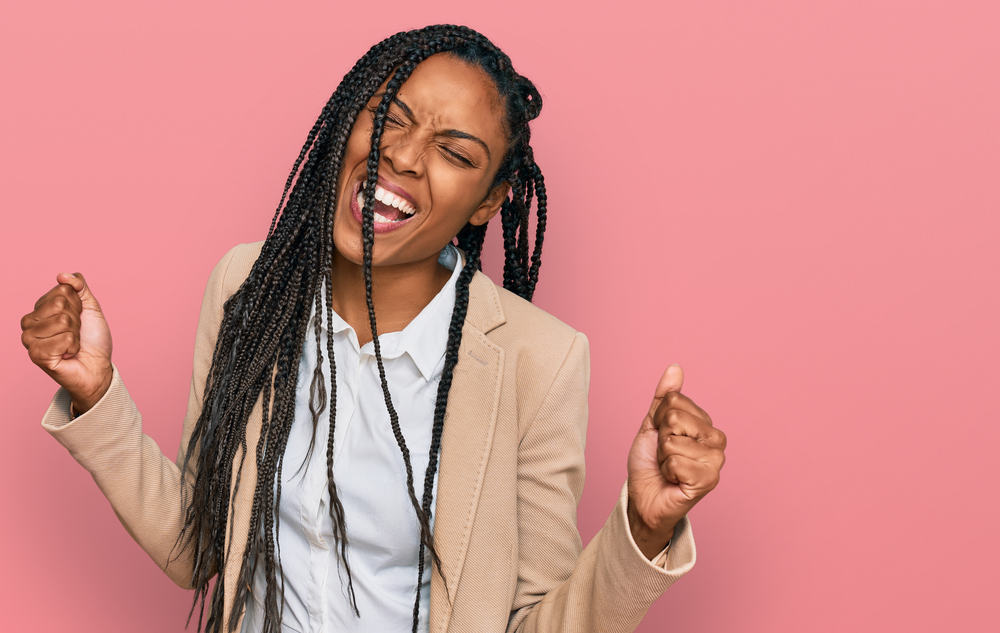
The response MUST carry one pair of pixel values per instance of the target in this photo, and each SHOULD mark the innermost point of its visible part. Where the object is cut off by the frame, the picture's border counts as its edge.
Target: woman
(423, 142)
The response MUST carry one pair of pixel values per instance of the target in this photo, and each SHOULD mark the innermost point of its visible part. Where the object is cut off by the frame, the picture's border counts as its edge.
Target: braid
(265, 322)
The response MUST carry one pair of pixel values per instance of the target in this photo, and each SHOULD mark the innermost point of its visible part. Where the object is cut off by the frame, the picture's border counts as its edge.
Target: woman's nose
(404, 154)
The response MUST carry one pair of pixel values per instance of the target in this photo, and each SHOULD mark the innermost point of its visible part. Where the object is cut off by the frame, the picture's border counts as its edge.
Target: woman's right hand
(68, 337)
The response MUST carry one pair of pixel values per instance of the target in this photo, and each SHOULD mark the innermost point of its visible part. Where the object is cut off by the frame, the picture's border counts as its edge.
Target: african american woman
(446, 496)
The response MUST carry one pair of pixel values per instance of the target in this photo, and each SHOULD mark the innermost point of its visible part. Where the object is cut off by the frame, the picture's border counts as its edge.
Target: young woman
(422, 143)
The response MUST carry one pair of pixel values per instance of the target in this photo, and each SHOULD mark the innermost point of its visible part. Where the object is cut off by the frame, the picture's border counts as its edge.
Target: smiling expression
(442, 143)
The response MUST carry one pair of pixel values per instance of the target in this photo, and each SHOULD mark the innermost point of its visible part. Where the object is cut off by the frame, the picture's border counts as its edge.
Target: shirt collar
(424, 338)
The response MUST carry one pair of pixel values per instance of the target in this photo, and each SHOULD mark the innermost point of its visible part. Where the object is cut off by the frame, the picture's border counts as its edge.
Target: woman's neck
(399, 293)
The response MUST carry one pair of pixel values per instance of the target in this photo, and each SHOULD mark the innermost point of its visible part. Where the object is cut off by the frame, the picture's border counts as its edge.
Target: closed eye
(389, 118)
(459, 157)
(392, 120)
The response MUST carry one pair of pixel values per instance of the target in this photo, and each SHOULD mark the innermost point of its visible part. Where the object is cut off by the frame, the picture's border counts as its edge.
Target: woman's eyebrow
(451, 133)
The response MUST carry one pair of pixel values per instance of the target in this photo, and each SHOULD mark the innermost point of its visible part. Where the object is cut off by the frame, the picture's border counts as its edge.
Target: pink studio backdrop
(795, 201)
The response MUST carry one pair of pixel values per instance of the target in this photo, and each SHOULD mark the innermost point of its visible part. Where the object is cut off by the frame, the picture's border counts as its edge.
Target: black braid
(264, 323)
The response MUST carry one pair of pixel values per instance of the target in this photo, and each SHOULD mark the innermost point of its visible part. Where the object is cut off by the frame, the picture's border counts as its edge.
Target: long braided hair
(264, 322)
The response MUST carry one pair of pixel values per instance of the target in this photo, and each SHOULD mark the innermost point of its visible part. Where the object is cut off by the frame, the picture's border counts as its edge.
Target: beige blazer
(511, 475)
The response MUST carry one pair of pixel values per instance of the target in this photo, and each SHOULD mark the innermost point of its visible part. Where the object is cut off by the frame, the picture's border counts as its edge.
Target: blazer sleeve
(610, 585)
(142, 484)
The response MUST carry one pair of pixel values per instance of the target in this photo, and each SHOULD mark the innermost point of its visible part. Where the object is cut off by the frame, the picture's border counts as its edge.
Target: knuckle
(668, 443)
(67, 295)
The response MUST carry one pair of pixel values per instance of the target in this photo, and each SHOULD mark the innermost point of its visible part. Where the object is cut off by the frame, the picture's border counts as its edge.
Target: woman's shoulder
(235, 264)
(521, 313)
(530, 331)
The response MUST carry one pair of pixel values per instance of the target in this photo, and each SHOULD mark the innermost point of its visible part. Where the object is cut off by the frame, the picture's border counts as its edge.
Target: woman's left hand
(674, 461)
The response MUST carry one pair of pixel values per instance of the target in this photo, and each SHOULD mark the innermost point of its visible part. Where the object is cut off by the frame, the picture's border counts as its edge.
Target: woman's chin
(352, 250)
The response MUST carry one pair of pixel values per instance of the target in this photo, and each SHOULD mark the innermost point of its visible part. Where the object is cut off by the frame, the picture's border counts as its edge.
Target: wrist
(650, 541)
(81, 404)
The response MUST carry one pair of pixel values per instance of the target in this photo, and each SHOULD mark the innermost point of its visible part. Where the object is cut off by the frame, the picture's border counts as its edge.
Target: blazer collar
(466, 440)
(423, 339)
(485, 312)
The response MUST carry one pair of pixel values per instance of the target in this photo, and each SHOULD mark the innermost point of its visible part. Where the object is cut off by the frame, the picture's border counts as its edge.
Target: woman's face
(441, 146)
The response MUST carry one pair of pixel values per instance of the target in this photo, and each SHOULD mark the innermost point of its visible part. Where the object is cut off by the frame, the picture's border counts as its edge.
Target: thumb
(671, 380)
(78, 283)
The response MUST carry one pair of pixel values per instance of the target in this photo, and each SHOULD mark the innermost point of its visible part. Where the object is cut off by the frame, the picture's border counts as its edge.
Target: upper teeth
(390, 199)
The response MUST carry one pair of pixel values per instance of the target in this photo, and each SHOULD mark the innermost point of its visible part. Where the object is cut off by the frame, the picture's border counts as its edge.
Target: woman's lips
(380, 227)
(396, 189)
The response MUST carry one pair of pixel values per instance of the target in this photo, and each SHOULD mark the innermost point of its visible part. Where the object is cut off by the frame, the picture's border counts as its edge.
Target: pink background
(795, 201)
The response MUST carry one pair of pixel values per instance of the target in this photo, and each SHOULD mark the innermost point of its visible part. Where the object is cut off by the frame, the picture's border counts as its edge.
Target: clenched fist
(674, 461)
(68, 337)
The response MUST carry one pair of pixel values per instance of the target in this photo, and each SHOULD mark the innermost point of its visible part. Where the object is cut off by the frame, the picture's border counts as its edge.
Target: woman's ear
(491, 204)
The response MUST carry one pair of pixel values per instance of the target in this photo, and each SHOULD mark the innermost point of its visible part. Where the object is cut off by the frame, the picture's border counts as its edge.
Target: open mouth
(391, 211)
(389, 207)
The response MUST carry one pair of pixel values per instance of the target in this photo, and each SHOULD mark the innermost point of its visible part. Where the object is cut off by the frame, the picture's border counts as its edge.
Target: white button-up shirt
(382, 528)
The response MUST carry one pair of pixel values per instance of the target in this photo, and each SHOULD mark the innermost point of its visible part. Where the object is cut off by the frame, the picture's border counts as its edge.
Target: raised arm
(608, 586)
(142, 484)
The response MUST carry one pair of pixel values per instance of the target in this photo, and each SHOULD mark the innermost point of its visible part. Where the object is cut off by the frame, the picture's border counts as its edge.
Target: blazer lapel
(466, 439)
(469, 422)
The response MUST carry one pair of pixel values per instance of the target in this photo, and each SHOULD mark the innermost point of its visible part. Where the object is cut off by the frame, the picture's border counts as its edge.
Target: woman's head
(460, 79)
(443, 141)
(441, 117)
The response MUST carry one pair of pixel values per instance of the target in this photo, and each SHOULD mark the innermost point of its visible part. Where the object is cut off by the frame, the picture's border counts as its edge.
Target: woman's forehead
(452, 93)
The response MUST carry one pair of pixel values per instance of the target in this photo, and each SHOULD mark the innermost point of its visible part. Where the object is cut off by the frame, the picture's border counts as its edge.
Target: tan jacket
(511, 475)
